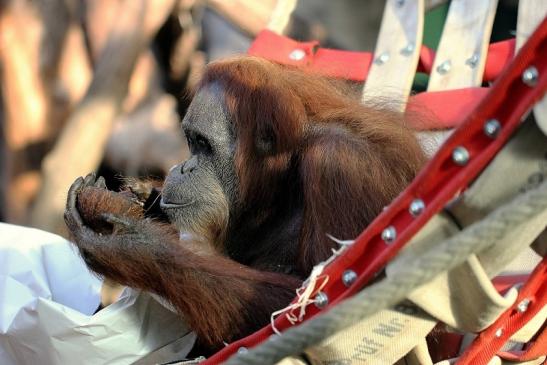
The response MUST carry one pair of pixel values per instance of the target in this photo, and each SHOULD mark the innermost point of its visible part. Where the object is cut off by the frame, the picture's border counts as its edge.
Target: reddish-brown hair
(352, 159)
(307, 155)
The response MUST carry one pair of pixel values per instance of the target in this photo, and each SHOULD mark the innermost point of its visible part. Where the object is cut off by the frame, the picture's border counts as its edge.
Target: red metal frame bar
(491, 340)
(441, 180)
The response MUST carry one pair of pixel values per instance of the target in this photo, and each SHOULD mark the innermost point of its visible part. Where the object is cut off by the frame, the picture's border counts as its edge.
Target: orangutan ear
(270, 140)
(279, 118)
(265, 145)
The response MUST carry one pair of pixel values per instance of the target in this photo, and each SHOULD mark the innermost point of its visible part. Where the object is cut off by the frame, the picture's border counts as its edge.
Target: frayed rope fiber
(414, 272)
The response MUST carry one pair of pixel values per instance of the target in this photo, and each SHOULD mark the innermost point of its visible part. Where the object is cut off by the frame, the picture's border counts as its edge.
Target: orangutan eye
(198, 143)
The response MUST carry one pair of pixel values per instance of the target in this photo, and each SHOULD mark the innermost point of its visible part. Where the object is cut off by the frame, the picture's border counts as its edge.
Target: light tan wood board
(461, 54)
(397, 52)
(281, 15)
(531, 13)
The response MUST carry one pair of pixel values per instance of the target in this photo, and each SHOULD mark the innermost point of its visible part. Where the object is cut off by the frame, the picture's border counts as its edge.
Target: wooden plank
(461, 55)
(281, 15)
(397, 52)
(251, 16)
(531, 13)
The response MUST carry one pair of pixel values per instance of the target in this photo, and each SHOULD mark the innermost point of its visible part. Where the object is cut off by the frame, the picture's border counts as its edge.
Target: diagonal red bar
(508, 101)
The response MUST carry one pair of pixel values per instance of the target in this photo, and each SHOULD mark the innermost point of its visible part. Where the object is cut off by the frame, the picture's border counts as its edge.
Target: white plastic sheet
(47, 300)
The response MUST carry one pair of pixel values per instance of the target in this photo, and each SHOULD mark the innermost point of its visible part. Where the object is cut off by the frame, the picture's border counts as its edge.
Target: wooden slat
(461, 54)
(397, 52)
(281, 15)
(531, 13)
(251, 16)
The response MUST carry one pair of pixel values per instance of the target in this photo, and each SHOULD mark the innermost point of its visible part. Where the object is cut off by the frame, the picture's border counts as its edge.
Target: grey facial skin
(199, 193)
(200, 196)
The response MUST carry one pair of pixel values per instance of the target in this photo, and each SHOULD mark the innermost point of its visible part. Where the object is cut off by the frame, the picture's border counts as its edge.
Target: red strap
(503, 283)
(443, 109)
(444, 345)
(328, 62)
(352, 65)
(508, 100)
(498, 56)
(490, 341)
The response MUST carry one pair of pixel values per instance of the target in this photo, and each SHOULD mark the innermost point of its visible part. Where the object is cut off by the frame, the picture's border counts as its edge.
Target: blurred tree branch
(29, 55)
(80, 146)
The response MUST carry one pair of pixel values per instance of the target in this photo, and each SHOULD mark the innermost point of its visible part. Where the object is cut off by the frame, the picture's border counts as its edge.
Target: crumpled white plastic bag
(47, 300)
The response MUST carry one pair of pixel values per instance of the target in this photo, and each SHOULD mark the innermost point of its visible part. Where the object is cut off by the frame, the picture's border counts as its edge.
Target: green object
(433, 25)
(433, 29)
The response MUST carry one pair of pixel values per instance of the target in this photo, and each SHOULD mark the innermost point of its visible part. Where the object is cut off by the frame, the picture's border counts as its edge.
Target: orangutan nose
(189, 165)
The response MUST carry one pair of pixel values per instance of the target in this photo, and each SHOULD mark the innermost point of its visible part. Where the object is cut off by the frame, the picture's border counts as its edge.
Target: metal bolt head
(472, 61)
(297, 54)
(242, 350)
(349, 277)
(444, 67)
(408, 49)
(389, 234)
(530, 76)
(321, 300)
(523, 305)
(499, 333)
(460, 156)
(416, 207)
(491, 128)
(381, 59)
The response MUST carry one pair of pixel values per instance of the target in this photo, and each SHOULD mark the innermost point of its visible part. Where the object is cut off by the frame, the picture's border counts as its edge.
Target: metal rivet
(416, 207)
(530, 76)
(389, 234)
(499, 333)
(491, 128)
(381, 59)
(460, 156)
(444, 67)
(408, 49)
(400, 3)
(472, 61)
(242, 350)
(349, 277)
(321, 300)
(297, 54)
(523, 305)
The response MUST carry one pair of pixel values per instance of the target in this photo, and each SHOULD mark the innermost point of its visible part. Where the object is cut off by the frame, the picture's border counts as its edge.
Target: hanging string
(306, 294)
